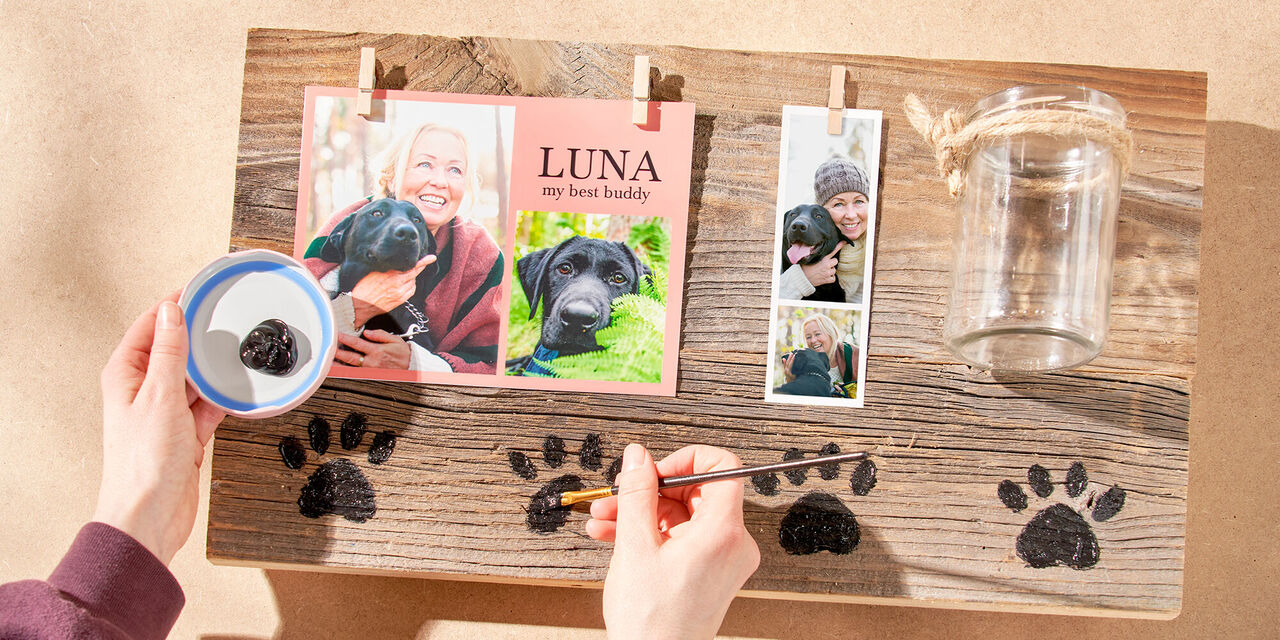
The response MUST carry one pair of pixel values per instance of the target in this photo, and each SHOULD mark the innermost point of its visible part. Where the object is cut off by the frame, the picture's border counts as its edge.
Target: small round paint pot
(231, 296)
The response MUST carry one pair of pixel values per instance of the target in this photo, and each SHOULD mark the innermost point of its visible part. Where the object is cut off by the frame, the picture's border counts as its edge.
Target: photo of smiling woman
(818, 353)
(827, 191)
(414, 277)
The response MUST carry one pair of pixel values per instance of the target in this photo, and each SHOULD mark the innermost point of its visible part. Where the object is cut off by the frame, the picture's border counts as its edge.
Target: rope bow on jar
(954, 140)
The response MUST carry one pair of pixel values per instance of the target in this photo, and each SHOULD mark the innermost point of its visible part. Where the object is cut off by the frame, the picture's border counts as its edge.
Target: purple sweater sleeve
(107, 586)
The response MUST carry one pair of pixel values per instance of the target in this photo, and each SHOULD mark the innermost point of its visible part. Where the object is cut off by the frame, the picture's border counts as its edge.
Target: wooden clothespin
(835, 100)
(640, 92)
(364, 101)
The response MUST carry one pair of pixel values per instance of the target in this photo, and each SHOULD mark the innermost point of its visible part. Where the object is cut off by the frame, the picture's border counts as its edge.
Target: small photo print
(589, 299)
(816, 356)
(401, 219)
(827, 194)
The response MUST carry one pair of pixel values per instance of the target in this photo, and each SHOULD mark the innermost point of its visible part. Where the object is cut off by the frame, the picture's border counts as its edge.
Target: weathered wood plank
(932, 529)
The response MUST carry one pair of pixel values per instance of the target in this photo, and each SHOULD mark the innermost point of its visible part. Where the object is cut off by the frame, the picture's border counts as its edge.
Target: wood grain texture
(933, 530)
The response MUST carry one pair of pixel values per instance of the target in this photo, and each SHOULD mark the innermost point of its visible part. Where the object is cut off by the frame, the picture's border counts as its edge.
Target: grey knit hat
(838, 175)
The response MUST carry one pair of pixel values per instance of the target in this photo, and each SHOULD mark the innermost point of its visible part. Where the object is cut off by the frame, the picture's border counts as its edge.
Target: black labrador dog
(576, 282)
(384, 235)
(810, 369)
(808, 235)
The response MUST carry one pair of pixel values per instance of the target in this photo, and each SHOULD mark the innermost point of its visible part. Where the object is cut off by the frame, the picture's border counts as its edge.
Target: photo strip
(446, 227)
(828, 189)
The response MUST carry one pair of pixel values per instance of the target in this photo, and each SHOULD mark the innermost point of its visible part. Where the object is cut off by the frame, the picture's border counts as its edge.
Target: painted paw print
(1058, 534)
(818, 521)
(338, 486)
(540, 518)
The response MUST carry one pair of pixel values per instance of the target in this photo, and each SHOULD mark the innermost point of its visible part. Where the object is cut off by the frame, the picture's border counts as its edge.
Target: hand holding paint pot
(680, 557)
(154, 431)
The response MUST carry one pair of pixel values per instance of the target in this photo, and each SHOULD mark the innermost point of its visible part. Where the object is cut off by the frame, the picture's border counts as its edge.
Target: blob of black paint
(794, 476)
(591, 453)
(1011, 495)
(522, 465)
(1077, 480)
(611, 472)
(291, 453)
(318, 434)
(830, 470)
(1038, 478)
(352, 430)
(1109, 504)
(766, 484)
(863, 479)
(818, 522)
(1058, 536)
(270, 348)
(382, 447)
(553, 451)
(340, 488)
(542, 516)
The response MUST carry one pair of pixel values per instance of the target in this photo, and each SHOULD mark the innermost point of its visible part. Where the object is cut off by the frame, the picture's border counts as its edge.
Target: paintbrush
(573, 497)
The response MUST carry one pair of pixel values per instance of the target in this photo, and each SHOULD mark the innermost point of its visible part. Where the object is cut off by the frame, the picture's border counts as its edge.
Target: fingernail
(170, 316)
(632, 457)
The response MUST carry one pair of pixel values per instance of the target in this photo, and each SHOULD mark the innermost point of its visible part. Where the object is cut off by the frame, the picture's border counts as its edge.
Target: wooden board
(933, 531)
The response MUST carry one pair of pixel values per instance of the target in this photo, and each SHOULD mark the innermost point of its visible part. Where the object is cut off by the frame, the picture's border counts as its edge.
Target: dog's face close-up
(808, 235)
(576, 281)
(809, 361)
(384, 235)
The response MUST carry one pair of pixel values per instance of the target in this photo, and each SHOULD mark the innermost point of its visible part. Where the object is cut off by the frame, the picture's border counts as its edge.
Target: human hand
(382, 291)
(154, 430)
(679, 557)
(382, 350)
(787, 361)
(823, 271)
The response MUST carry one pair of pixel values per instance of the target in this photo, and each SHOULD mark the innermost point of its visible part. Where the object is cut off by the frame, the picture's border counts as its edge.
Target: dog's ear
(334, 249)
(531, 269)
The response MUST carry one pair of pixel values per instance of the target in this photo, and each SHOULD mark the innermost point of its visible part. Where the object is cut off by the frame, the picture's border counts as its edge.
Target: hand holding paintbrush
(680, 557)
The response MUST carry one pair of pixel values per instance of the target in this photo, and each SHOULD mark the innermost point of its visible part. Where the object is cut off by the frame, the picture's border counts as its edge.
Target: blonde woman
(821, 334)
(841, 187)
(434, 168)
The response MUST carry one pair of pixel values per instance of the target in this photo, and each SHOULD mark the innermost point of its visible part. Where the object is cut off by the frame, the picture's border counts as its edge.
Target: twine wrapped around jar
(953, 140)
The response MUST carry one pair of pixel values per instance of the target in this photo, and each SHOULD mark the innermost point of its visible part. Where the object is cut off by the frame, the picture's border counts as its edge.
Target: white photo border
(790, 112)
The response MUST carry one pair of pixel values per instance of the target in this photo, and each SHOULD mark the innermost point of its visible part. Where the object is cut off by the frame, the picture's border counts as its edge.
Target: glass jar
(1035, 240)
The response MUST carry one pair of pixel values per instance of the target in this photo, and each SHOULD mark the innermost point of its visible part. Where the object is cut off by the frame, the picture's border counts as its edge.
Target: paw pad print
(544, 520)
(1059, 534)
(337, 486)
(818, 521)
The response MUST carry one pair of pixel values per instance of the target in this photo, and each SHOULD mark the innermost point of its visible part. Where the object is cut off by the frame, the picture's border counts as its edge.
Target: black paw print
(1058, 534)
(338, 486)
(818, 521)
(540, 517)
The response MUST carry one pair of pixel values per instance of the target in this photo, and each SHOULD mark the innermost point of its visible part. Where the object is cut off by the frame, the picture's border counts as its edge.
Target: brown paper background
(117, 149)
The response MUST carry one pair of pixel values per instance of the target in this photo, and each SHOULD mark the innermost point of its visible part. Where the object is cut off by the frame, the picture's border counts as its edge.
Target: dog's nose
(406, 233)
(579, 316)
(799, 226)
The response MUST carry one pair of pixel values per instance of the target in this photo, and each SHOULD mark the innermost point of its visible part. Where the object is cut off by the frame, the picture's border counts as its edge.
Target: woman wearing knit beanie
(840, 186)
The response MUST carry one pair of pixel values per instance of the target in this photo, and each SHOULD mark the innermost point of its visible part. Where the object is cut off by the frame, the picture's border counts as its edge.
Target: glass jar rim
(1050, 96)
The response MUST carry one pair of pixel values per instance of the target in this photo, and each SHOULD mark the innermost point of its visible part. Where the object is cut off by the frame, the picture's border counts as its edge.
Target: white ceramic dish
(231, 296)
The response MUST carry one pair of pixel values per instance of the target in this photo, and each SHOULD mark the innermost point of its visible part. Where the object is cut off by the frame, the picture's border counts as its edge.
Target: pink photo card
(533, 243)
